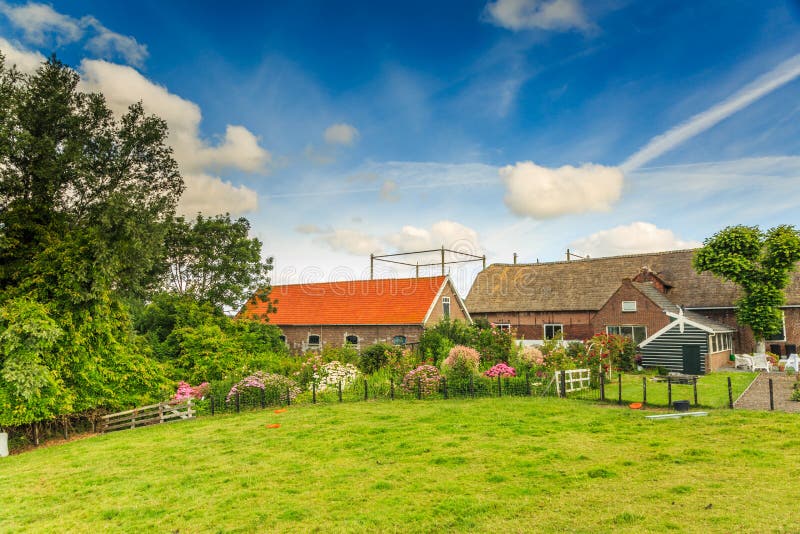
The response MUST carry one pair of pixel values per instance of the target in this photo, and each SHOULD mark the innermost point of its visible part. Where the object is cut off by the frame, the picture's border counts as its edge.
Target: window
(629, 305)
(351, 340)
(399, 341)
(505, 327)
(552, 330)
(780, 336)
(637, 333)
(313, 341)
(721, 342)
(282, 338)
(446, 307)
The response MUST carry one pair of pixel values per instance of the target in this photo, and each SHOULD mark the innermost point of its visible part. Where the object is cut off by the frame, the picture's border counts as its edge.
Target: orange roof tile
(350, 302)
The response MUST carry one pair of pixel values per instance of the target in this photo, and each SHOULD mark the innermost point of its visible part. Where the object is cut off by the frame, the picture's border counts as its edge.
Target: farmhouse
(636, 295)
(359, 312)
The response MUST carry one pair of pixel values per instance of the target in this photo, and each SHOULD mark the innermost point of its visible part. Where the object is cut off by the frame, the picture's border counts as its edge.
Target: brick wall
(530, 325)
(297, 336)
(718, 360)
(647, 312)
(437, 313)
(743, 339)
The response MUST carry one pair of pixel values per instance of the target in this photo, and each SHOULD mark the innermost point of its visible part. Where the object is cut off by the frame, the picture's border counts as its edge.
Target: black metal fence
(365, 388)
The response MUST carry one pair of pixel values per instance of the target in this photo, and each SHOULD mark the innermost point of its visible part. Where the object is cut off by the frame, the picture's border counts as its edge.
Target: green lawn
(712, 389)
(500, 465)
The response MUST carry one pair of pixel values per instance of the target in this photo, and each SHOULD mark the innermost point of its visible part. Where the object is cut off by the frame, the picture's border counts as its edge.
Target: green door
(691, 359)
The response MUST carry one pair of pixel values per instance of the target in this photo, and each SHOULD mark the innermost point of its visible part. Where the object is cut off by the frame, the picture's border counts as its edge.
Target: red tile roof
(385, 301)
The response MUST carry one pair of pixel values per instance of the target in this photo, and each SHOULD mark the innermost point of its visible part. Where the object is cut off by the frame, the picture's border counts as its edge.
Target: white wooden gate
(574, 380)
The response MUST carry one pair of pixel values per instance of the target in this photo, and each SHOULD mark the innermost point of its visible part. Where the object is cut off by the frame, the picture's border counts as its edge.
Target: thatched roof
(585, 285)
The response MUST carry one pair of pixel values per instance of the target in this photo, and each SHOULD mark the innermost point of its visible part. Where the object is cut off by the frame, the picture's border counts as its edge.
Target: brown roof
(585, 285)
(659, 299)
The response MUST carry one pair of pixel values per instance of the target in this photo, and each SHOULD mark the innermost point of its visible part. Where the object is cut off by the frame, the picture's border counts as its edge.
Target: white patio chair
(793, 362)
(760, 362)
(743, 361)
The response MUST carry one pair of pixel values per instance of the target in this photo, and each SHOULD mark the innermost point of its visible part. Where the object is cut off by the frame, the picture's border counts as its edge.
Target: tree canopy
(214, 260)
(761, 263)
(85, 199)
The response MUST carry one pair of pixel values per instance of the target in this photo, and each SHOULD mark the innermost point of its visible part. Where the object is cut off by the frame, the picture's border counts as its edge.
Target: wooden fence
(148, 415)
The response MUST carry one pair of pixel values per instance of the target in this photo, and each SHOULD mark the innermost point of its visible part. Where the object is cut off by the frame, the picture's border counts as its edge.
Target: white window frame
(560, 329)
(505, 327)
(628, 306)
(620, 327)
(316, 345)
(347, 342)
(446, 307)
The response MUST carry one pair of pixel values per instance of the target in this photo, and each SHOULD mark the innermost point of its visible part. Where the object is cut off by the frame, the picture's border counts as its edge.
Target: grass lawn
(501, 465)
(712, 389)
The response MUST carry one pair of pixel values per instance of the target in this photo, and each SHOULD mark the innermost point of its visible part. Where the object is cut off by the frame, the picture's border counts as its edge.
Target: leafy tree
(84, 203)
(197, 342)
(761, 264)
(214, 260)
(30, 388)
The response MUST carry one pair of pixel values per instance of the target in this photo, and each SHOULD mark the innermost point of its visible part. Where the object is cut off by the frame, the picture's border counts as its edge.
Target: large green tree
(761, 264)
(214, 259)
(85, 202)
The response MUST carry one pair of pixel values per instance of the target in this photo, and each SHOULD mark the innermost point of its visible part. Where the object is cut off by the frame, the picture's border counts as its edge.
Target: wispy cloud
(784, 73)
(40, 22)
(537, 14)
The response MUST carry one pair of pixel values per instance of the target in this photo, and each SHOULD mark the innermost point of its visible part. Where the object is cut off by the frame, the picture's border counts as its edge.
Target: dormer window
(446, 307)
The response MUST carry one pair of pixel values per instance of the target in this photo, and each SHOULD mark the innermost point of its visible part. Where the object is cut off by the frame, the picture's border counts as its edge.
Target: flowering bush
(309, 369)
(332, 373)
(186, 391)
(529, 359)
(461, 362)
(501, 369)
(427, 376)
(272, 384)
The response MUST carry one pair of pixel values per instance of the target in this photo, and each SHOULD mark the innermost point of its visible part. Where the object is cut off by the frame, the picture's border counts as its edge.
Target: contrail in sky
(761, 86)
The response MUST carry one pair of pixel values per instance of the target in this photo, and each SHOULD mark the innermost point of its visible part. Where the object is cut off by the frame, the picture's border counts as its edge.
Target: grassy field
(502, 465)
(712, 389)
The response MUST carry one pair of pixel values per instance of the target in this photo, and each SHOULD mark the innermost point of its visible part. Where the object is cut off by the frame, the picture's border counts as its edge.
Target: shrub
(333, 373)
(345, 354)
(501, 369)
(274, 386)
(308, 369)
(461, 362)
(375, 356)
(796, 394)
(529, 359)
(186, 391)
(427, 376)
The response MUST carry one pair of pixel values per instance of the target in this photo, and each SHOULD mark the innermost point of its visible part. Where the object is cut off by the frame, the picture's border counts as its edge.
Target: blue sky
(526, 126)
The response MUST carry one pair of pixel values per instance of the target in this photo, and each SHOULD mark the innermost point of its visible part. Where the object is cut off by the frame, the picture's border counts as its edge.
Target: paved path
(757, 396)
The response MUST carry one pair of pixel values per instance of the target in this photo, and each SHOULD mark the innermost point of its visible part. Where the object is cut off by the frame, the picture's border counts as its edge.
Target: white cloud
(37, 20)
(541, 192)
(108, 44)
(537, 14)
(351, 242)
(761, 86)
(212, 195)
(26, 61)
(637, 237)
(449, 234)
(239, 149)
(341, 134)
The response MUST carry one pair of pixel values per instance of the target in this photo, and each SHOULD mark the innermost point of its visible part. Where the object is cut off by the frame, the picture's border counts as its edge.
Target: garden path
(757, 395)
